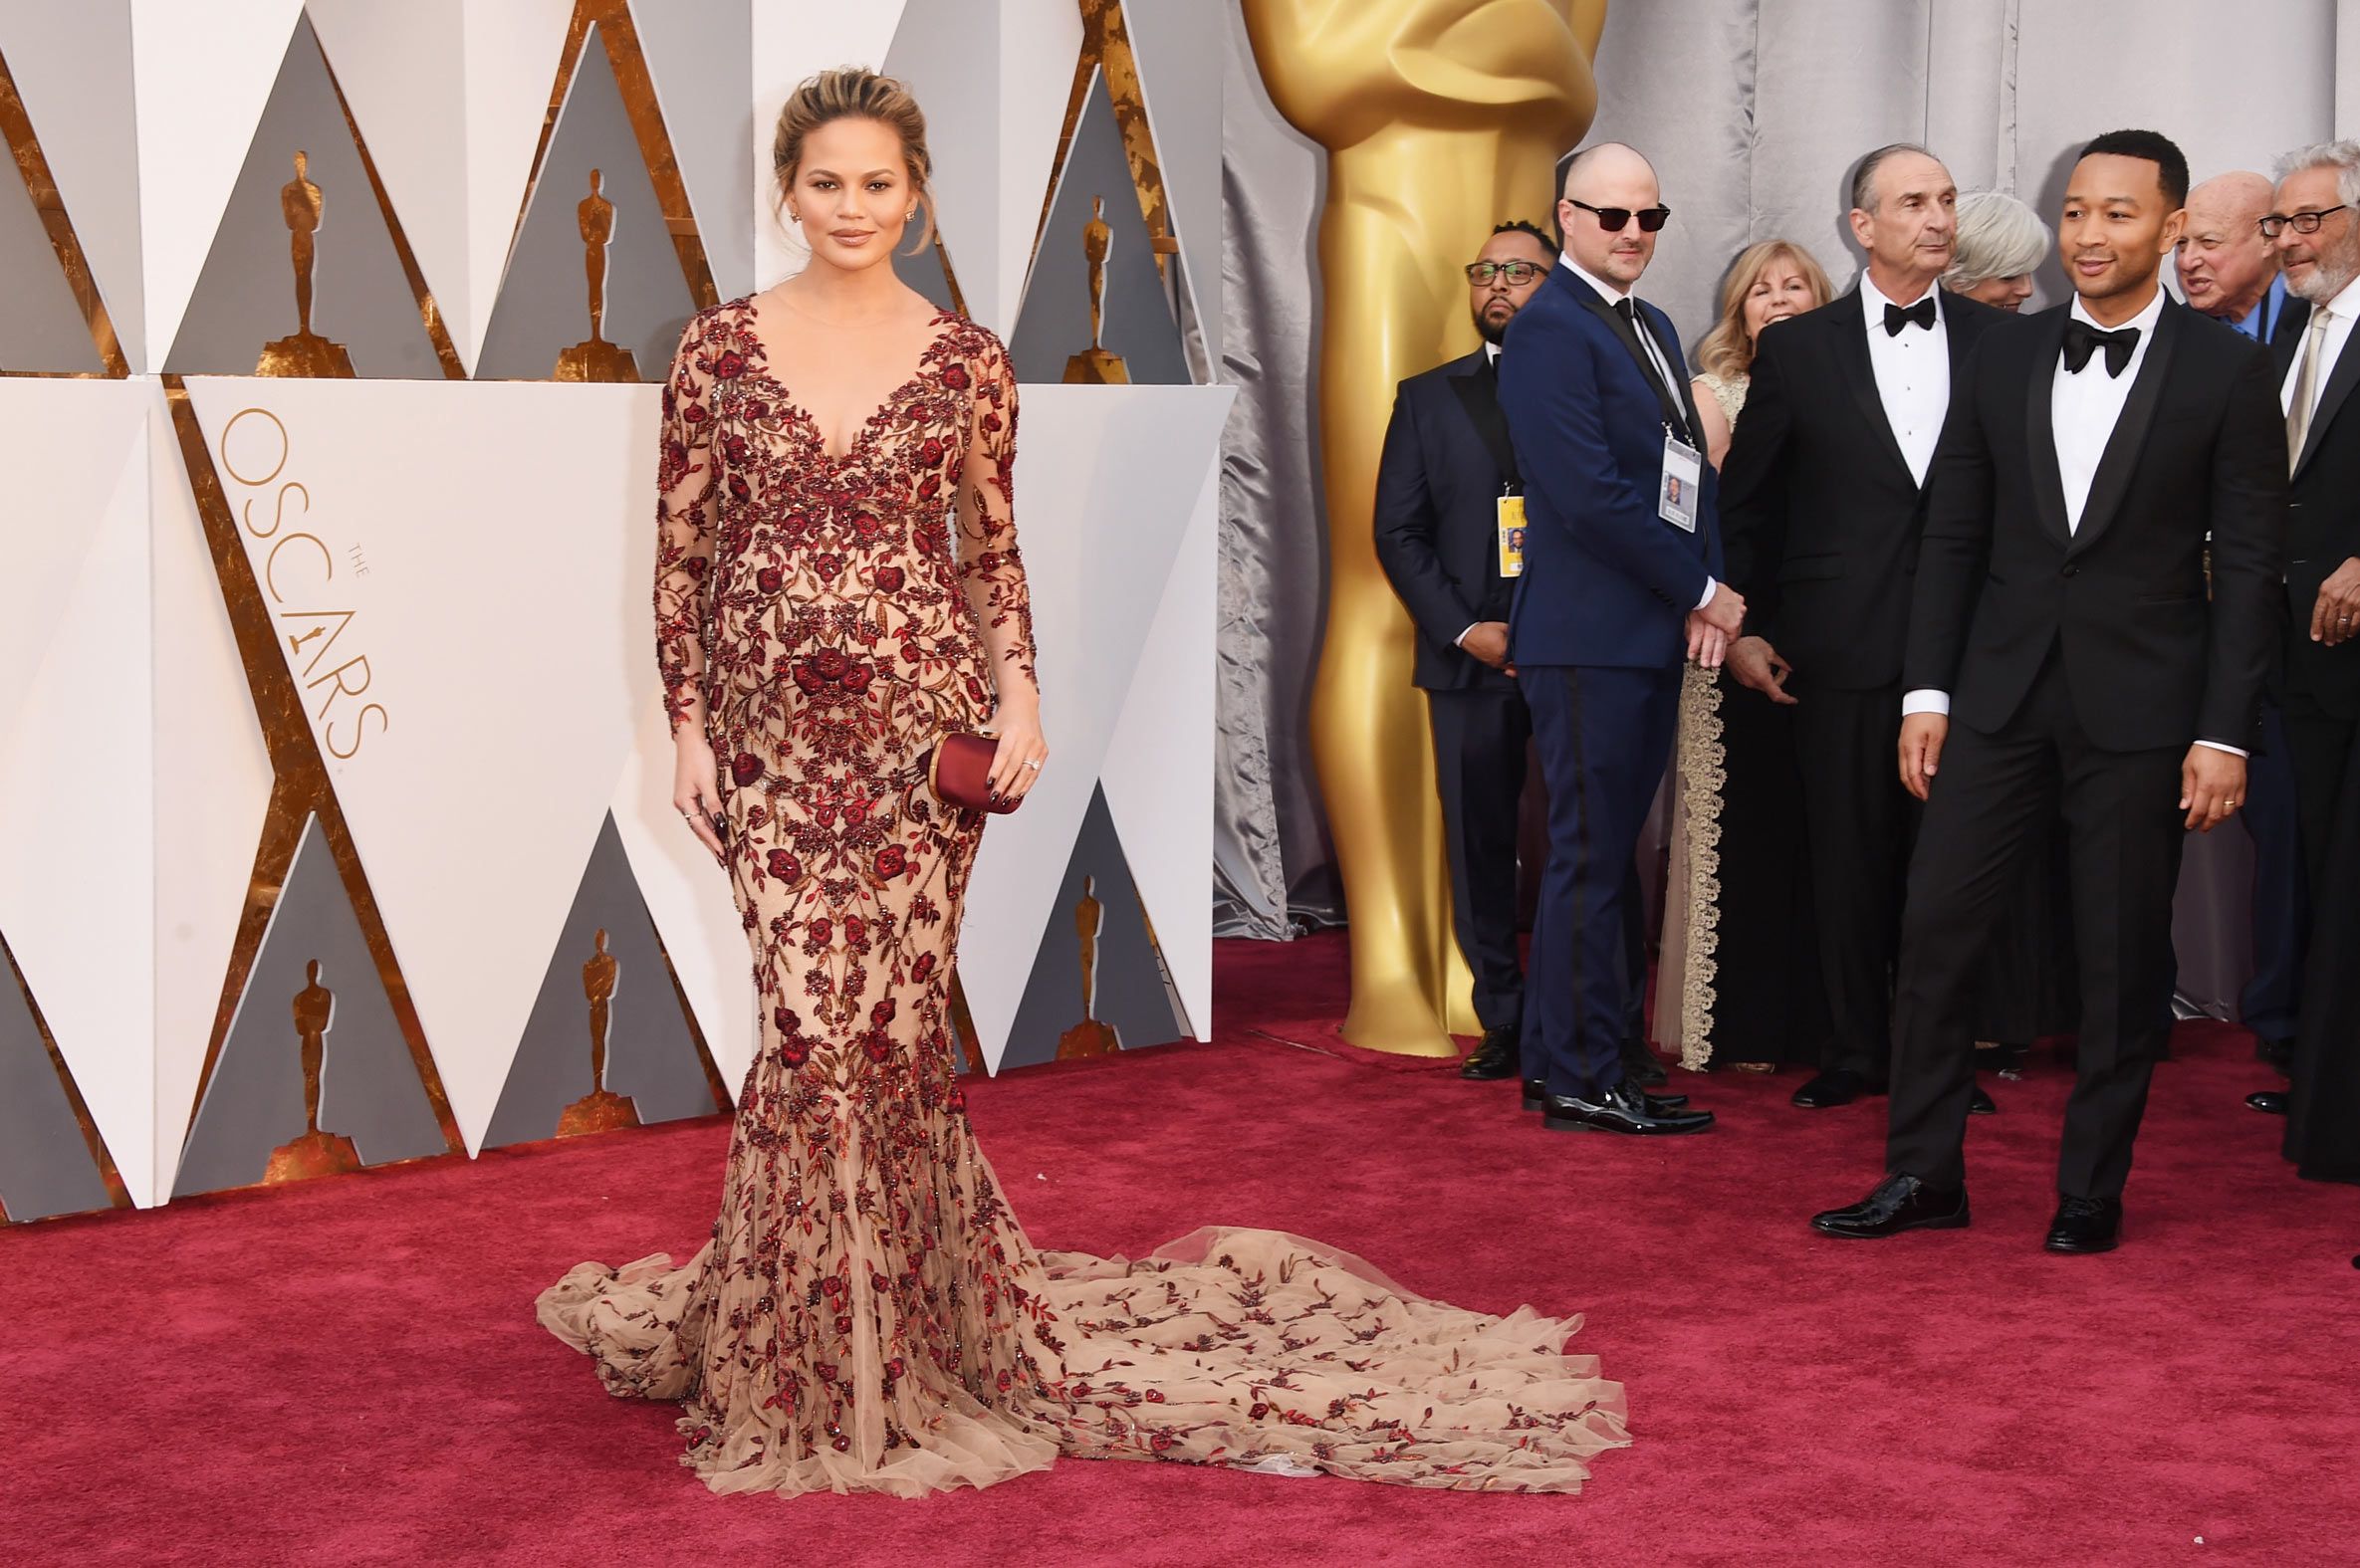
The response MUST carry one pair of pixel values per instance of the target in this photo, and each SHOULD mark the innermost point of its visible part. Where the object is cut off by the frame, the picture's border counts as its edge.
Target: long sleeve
(1754, 485)
(1405, 533)
(1954, 556)
(990, 569)
(685, 489)
(2249, 512)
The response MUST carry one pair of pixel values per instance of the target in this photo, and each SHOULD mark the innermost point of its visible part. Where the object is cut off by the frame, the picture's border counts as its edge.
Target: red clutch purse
(959, 769)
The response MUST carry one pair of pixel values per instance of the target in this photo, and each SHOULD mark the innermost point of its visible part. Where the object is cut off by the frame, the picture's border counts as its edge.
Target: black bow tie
(2083, 340)
(1918, 314)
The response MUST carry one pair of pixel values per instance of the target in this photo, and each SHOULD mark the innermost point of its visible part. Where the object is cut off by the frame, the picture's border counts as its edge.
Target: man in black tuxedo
(2317, 224)
(2065, 665)
(1820, 507)
(1445, 469)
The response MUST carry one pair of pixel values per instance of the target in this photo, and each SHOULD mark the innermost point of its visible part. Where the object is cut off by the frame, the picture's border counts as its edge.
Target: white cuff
(1711, 586)
(1926, 699)
(2233, 751)
(1460, 639)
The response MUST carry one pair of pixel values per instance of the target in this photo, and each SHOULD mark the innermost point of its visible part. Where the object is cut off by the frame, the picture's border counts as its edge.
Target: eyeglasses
(2300, 222)
(1615, 219)
(1482, 273)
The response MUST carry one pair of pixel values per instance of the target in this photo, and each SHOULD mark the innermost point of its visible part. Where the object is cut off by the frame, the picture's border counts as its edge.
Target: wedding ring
(1036, 767)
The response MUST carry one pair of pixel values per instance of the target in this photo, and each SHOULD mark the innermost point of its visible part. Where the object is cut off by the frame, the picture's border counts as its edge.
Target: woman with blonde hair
(839, 595)
(1999, 242)
(1738, 973)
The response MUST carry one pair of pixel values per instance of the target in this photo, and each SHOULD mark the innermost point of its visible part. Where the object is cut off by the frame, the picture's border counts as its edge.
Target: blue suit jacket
(1606, 581)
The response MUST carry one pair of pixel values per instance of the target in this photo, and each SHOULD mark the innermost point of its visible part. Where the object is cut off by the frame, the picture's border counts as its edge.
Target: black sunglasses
(1615, 219)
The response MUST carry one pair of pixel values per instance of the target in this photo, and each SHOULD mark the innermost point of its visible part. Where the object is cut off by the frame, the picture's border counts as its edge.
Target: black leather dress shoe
(1900, 1203)
(1836, 1086)
(1492, 1059)
(1981, 1104)
(1625, 1108)
(1640, 1067)
(2278, 1053)
(1536, 1097)
(2270, 1102)
(2085, 1225)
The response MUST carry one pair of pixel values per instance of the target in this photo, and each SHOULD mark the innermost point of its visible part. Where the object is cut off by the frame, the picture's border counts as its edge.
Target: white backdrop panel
(1107, 483)
(510, 49)
(202, 70)
(403, 73)
(464, 661)
(209, 816)
(1158, 776)
(73, 70)
(77, 752)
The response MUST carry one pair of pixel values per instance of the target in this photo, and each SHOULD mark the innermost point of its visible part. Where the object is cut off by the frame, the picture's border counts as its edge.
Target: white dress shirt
(2341, 311)
(1913, 374)
(2083, 408)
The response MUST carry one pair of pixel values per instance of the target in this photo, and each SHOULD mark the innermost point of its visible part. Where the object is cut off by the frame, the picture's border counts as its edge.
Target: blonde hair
(1726, 350)
(856, 93)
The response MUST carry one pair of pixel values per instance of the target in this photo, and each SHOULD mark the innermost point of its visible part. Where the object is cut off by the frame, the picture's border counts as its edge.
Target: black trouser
(2323, 1124)
(1860, 823)
(1480, 737)
(2123, 837)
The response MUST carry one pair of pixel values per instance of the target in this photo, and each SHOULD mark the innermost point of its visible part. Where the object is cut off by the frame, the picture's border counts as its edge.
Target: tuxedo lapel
(2285, 340)
(2340, 377)
(2040, 436)
(1848, 319)
(1672, 411)
(1477, 387)
(1669, 342)
(2121, 456)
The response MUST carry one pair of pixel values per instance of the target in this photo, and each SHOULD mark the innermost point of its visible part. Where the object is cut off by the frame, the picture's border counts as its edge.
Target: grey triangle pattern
(245, 296)
(543, 307)
(1180, 77)
(1129, 991)
(368, 1087)
(1053, 322)
(41, 327)
(46, 1167)
(651, 1058)
(710, 131)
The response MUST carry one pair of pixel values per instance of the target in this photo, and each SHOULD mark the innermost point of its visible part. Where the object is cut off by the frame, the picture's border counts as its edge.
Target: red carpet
(350, 1372)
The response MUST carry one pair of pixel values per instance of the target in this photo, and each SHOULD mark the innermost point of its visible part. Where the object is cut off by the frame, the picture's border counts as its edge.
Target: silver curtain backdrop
(1753, 111)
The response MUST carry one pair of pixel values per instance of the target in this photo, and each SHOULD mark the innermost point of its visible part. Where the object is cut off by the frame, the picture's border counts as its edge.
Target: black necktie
(1628, 309)
(2083, 340)
(1918, 314)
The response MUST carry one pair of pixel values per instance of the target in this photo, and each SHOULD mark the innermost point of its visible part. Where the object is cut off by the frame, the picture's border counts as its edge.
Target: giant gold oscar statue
(1441, 117)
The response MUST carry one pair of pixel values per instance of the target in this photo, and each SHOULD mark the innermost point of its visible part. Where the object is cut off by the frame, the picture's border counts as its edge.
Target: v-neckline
(882, 411)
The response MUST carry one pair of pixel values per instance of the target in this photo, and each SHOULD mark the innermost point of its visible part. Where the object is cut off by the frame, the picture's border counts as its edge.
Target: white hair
(1998, 237)
(2341, 157)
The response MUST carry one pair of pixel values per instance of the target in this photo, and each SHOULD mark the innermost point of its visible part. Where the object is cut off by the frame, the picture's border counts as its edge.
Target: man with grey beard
(2315, 224)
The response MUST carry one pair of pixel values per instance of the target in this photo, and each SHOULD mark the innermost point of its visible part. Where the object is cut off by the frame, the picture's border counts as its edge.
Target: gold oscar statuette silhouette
(599, 1110)
(594, 358)
(315, 1153)
(1441, 119)
(1094, 366)
(1090, 1037)
(307, 352)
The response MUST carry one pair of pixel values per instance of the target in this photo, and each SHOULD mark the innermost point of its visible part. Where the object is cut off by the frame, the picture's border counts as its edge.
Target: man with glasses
(2316, 229)
(1620, 582)
(1822, 497)
(1449, 533)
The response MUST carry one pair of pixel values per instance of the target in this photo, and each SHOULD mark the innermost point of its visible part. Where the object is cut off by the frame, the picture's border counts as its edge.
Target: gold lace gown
(867, 1315)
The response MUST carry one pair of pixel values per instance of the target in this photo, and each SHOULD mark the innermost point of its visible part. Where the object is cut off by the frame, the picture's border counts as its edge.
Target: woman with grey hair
(1999, 242)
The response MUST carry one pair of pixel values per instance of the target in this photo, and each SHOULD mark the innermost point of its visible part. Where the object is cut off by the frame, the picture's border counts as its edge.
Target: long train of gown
(867, 1314)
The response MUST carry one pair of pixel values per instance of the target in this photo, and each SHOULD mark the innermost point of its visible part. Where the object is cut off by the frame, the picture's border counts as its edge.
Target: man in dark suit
(1446, 502)
(1820, 505)
(1620, 583)
(2065, 665)
(2317, 224)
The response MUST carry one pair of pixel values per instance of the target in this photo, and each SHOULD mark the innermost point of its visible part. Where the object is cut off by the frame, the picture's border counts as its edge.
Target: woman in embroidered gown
(1739, 976)
(832, 595)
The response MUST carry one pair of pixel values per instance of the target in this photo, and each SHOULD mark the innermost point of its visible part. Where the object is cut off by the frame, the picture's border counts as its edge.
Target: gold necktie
(2306, 387)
